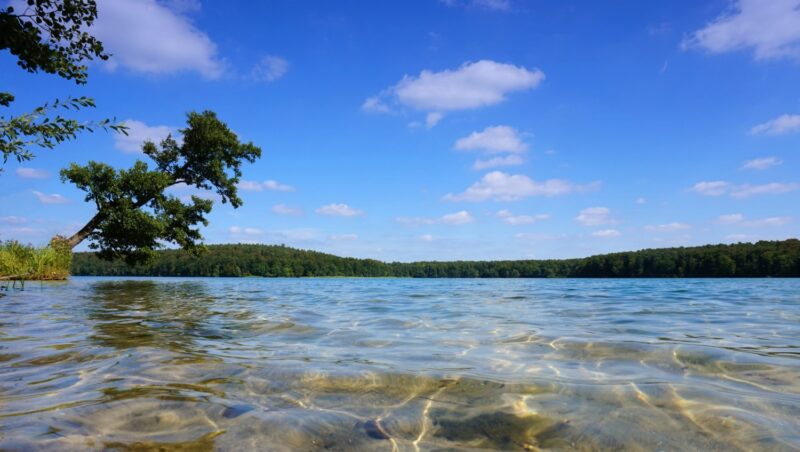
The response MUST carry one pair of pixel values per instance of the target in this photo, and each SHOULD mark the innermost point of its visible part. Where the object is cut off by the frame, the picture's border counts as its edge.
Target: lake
(401, 364)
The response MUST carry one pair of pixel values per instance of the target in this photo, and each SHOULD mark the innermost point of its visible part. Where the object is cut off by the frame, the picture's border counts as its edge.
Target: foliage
(25, 262)
(49, 36)
(135, 216)
(762, 259)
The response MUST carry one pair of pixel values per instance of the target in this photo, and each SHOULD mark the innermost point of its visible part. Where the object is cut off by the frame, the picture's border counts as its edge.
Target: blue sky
(462, 129)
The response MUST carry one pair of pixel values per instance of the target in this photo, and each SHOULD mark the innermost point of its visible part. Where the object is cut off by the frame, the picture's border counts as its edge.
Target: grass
(21, 262)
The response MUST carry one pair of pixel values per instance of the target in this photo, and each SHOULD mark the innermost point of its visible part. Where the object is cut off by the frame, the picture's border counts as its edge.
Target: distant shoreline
(742, 260)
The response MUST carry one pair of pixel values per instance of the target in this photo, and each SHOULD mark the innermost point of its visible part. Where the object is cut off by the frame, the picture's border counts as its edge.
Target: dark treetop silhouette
(135, 216)
(49, 36)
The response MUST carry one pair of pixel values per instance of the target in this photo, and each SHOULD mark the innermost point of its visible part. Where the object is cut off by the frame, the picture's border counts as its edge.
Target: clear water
(400, 364)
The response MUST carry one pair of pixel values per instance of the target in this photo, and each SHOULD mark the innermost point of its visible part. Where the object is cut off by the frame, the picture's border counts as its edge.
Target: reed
(20, 262)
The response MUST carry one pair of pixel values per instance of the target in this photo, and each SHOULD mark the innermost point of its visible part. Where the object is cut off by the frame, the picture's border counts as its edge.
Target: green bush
(26, 262)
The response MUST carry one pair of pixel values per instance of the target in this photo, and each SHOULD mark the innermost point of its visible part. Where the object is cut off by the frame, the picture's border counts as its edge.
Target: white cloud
(375, 105)
(32, 173)
(247, 185)
(668, 227)
(739, 219)
(493, 139)
(270, 69)
(148, 37)
(516, 220)
(771, 221)
(54, 198)
(13, 220)
(339, 210)
(497, 5)
(718, 188)
(185, 192)
(283, 209)
(426, 238)
(457, 218)
(606, 233)
(711, 188)
(138, 133)
(460, 217)
(501, 186)
(773, 188)
(276, 186)
(236, 230)
(778, 126)
(770, 28)
(472, 85)
(494, 5)
(343, 237)
(595, 216)
(641, 200)
(433, 118)
(732, 218)
(494, 162)
(762, 163)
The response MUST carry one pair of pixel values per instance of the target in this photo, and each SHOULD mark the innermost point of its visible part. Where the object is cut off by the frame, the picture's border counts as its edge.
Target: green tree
(49, 36)
(135, 215)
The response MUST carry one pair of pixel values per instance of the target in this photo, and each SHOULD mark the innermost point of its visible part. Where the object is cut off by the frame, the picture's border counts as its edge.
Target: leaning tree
(135, 214)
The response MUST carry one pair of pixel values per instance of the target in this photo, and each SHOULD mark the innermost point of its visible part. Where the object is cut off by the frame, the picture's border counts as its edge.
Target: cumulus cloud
(773, 188)
(269, 69)
(500, 186)
(375, 105)
(494, 162)
(433, 118)
(149, 37)
(472, 85)
(343, 237)
(13, 220)
(595, 216)
(762, 163)
(718, 188)
(493, 139)
(667, 227)
(138, 133)
(711, 188)
(781, 125)
(339, 210)
(32, 173)
(492, 5)
(456, 218)
(236, 230)
(771, 221)
(54, 198)
(273, 185)
(732, 218)
(606, 233)
(740, 220)
(460, 217)
(771, 29)
(516, 220)
(283, 209)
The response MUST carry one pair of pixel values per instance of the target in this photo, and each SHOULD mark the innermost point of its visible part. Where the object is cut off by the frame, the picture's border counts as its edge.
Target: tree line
(761, 259)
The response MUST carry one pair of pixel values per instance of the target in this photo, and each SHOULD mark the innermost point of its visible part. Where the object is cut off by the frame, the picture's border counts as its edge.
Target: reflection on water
(231, 364)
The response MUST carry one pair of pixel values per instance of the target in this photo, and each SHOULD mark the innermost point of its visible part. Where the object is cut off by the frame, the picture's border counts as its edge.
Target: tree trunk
(84, 232)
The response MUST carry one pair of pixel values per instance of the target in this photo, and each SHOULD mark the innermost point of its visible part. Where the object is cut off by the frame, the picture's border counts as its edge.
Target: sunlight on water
(397, 364)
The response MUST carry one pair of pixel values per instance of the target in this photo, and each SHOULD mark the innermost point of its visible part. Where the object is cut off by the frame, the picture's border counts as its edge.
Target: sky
(444, 130)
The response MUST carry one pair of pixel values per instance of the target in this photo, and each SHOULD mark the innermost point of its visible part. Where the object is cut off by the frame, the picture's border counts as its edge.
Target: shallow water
(401, 364)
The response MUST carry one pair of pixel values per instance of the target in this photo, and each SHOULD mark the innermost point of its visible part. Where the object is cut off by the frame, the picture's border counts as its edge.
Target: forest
(761, 259)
